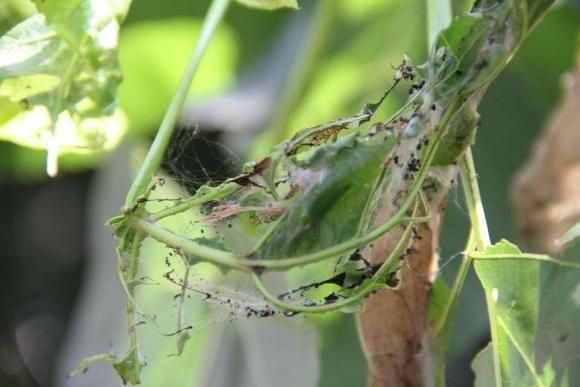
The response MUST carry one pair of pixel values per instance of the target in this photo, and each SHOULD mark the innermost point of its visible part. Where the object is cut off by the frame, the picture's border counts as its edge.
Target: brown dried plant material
(546, 193)
(393, 324)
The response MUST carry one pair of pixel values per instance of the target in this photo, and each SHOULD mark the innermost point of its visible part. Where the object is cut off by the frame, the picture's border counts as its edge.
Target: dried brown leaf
(546, 193)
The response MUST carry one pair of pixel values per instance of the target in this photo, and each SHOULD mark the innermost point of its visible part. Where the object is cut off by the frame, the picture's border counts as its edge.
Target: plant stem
(444, 321)
(473, 199)
(377, 281)
(155, 155)
(482, 241)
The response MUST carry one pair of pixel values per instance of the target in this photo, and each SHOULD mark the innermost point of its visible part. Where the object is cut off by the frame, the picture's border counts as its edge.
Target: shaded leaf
(483, 368)
(557, 342)
(572, 234)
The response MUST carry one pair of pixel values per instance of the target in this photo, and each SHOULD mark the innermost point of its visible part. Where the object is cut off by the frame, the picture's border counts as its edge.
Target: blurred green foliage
(154, 53)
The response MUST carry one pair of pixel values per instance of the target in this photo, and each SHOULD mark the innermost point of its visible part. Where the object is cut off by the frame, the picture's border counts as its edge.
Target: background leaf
(154, 54)
(269, 4)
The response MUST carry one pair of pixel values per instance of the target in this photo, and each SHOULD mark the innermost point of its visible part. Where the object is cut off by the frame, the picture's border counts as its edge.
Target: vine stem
(155, 155)
(376, 282)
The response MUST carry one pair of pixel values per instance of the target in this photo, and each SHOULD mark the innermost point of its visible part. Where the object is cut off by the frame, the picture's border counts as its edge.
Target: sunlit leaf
(269, 4)
(59, 70)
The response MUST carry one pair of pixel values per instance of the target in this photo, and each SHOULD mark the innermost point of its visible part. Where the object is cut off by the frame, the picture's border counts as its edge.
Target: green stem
(376, 282)
(443, 323)
(155, 156)
(473, 199)
(191, 202)
(128, 271)
(482, 241)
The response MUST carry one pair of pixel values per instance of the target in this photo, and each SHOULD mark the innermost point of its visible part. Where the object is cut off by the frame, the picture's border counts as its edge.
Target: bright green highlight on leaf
(269, 4)
(59, 72)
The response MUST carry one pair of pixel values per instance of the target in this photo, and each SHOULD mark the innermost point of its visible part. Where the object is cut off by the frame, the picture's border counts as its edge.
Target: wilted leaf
(546, 190)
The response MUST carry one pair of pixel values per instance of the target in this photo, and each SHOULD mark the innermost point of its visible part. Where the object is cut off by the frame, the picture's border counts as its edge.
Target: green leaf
(557, 345)
(343, 176)
(461, 7)
(535, 342)
(483, 368)
(269, 4)
(570, 235)
(536, 10)
(438, 18)
(129, 367)
(512, 289)
(59, 72)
